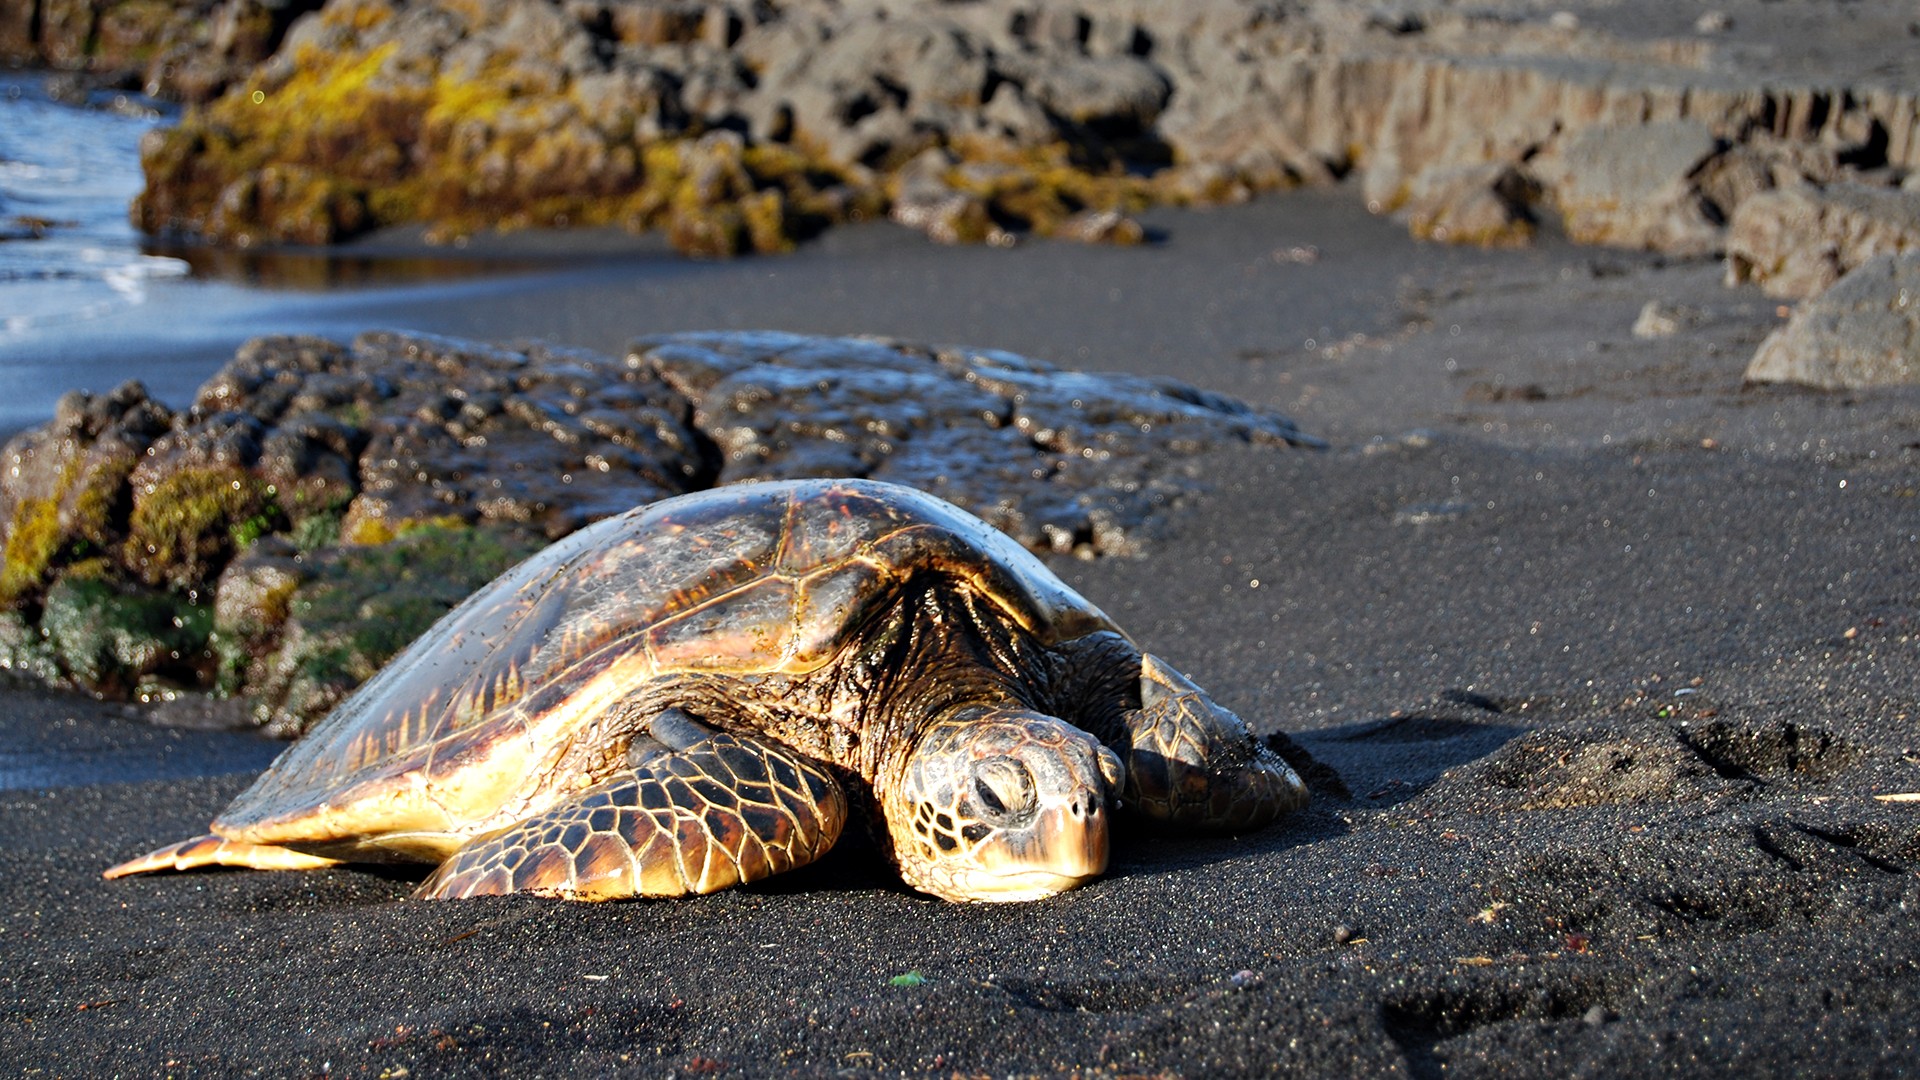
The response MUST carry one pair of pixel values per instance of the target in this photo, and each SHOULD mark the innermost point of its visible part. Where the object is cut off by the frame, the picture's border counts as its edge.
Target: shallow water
(67, 251)
(87, 301)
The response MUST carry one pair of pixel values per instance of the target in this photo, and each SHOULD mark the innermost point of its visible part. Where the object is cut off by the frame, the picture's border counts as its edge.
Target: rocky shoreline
(319, 505)
(1760, 129)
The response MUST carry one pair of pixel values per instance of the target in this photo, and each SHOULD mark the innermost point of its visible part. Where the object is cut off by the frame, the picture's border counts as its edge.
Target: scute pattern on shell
(769, 577)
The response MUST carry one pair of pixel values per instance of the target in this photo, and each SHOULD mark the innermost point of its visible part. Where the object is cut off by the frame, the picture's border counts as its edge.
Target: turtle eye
(1004, 787)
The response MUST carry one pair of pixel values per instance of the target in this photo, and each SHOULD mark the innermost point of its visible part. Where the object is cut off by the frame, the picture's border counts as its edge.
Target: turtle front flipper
(211, 850)
(701, 811)
(1195, 764)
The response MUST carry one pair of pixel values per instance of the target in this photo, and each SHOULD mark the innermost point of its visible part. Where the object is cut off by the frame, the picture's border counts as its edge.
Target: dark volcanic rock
(319, 505)
(1060, 460)
(66, 486)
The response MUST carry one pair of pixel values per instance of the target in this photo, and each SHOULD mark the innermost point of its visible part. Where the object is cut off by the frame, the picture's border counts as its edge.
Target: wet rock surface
(1062, 461)
(320, 504)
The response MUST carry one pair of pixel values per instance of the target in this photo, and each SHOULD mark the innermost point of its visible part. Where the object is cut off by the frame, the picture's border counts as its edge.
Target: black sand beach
(1610, 661)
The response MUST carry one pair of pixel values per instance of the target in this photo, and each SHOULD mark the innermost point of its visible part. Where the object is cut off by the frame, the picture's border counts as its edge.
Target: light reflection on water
(67, 251)
(325, 270)
(69, 255)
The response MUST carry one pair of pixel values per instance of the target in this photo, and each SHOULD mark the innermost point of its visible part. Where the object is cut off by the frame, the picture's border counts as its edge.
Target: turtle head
(1002, 805)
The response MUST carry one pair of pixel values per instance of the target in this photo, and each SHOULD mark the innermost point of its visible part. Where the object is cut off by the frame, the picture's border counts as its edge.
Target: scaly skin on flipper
(1195, 764)
(210, 850)
(701, 812)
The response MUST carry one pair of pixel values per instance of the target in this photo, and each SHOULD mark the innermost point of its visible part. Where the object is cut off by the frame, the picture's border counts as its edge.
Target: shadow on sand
(1389, 760)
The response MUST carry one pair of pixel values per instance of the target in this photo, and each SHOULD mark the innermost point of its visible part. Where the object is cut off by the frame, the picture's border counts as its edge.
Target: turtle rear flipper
(211, 850)
(701, 811)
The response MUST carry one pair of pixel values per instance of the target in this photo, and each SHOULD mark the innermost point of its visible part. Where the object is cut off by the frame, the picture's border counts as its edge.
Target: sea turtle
(692, 694)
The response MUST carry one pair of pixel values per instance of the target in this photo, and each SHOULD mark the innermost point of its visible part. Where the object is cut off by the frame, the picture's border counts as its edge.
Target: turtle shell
(742, 580)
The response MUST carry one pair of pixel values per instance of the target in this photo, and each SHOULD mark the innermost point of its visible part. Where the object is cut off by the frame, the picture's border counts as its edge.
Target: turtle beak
(1067, 849)
(1080, 851)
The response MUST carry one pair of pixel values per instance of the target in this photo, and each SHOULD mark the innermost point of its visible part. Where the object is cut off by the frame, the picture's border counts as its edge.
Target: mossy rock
(365, 603)
(33, 536)
(383, 596)
(251, 603)
(325, 144)
(68, 517)
(192, 520)
(25, 653)
(109, 639)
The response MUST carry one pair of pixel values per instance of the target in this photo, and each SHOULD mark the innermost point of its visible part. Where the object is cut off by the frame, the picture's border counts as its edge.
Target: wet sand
(1607, 656)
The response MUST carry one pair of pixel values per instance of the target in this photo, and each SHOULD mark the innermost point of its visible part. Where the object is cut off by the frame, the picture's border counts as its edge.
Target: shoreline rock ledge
(737, 126)
(319, 504)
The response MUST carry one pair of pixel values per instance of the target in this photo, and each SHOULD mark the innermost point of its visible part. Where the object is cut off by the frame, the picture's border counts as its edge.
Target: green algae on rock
(471, 116)
(110, 638)
(298, 642)
(66, 485)
(357, 125)
(188, 520)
